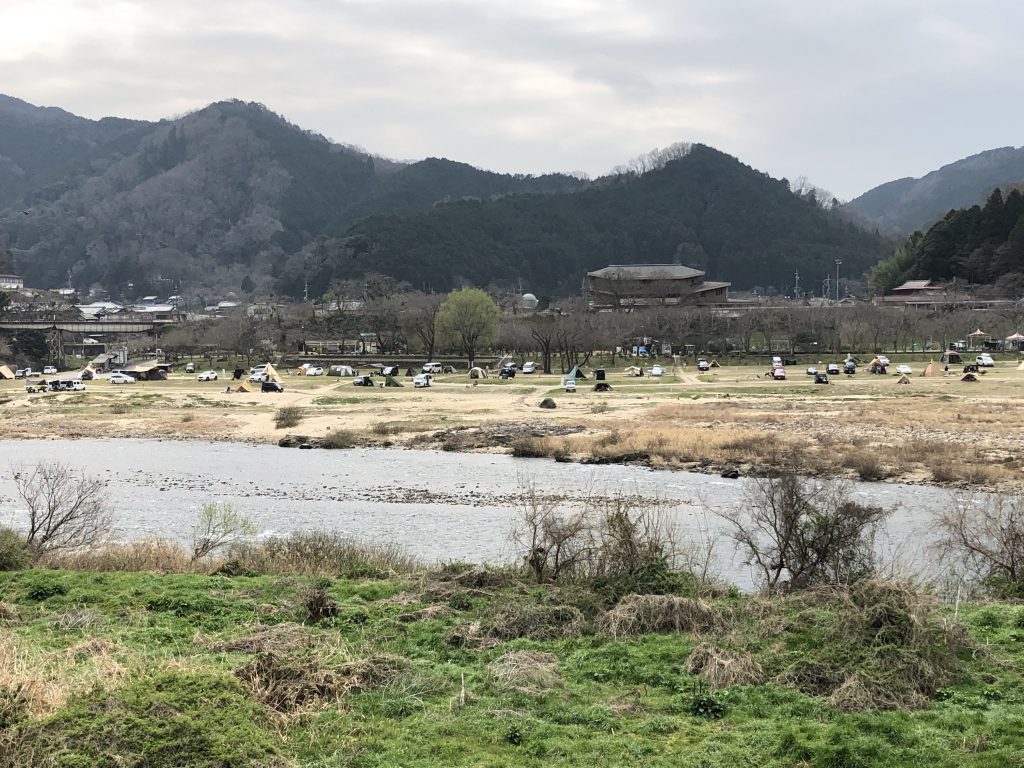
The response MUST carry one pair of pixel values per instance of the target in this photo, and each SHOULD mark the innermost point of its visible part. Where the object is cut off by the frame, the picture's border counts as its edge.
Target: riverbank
(467, 666)
(934, 430)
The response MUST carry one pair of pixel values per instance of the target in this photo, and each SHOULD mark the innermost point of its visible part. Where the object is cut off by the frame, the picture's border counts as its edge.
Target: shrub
(340, 438)
(321, 553)
(287, 416)
(645, 614)
(14, 551)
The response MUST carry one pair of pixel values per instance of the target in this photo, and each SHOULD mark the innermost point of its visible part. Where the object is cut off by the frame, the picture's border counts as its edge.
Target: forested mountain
(704, 209)
(980, 244)
(906, 205)
(235, 194)
(201, 201)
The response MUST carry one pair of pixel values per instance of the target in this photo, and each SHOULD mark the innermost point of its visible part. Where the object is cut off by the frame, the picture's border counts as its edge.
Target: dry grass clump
(150, 555)
(471, 635)
(294, 686)
(401, 599)
(276, 638)
(530, 672)
(429, 613)
(535, 622)
(45, 681)
(647, 614)
(721, 669)
(321, 553)
(9, 613)
(76, 619)
(886, 647)
(866, 464)
(340, 438)
(288, 416)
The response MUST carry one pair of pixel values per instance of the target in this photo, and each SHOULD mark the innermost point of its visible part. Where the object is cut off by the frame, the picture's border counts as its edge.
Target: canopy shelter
(6, 372)
(978, 337)
(1015, 341)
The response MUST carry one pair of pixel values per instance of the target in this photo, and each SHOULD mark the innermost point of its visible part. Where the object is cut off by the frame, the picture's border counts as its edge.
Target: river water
(440, 506)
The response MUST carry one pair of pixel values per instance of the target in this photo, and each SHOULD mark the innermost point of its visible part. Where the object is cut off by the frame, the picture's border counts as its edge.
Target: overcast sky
(849, 95)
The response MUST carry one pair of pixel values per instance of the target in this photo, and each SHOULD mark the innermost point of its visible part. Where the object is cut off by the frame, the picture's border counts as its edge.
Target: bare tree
(219, 526)
(987, 537)
(65, 510)
(420, 320)
(800, 533)
(553, 541)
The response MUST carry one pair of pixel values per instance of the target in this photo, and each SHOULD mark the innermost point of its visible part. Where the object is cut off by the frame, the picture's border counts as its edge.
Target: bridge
(84, 326)
(55, 328)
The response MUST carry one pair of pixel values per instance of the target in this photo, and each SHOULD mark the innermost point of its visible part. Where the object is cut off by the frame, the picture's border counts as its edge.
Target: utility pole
(796, 286)
(838, 262)
(305, 291)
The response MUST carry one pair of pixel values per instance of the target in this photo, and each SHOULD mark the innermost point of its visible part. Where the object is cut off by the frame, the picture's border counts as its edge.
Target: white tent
(477, 373)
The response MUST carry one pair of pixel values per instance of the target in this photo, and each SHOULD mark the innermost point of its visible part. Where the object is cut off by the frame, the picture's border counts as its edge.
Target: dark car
(271, 386)
(508, 372)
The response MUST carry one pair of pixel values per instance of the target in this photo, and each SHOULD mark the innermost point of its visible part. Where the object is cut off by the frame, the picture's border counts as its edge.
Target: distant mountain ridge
(910, 204)
(234, 194)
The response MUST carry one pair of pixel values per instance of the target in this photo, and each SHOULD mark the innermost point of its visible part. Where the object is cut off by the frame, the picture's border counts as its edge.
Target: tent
(6, 372)
(391, 381)
(477, 373)
(932, 369)
(968, 377)
(340, 370)
(272, 374)
(243, 387)
(904, 379)
(602, 386)
(576, 373)
(951, 358)
(634, 371)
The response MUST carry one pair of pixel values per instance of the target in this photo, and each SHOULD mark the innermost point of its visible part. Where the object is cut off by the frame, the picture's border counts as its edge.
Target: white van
(431, 368)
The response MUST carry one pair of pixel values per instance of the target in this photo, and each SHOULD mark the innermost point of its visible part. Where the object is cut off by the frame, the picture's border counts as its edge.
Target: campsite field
(936, 430)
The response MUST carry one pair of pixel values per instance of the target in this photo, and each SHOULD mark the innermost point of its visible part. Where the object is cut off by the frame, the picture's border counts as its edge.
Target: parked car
(67, 385)
(655, 370)
(529, 367)
(903, 368)
(832, 369)
(259, 377)
(190, 367)
(821, 378)
(363, 381)
(849, 367)
(432, 368)
(776, 361)
(507, 372)
(985, 361)
(207, 376)
(570, 385)
(20, 374)
(421, 380)
(812, 370)
(314, 370)
(778, 373)
(49, 370)
(703, 365)
(271, 386)
(117, 377)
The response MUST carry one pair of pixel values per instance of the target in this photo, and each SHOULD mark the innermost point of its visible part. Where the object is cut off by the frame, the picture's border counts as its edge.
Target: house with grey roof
(628, 286)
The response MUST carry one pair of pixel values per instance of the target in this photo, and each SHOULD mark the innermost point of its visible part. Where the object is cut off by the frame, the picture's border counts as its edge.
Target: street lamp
(838, 262)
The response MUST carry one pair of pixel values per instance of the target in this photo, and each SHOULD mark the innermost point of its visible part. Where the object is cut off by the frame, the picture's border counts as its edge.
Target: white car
(49, 370)
(883, 360)
(421, 380)
(529, 367)
(985, 361)
(903, 368)
(432, 368)
(570, 385)
(812, 370)
(314, 370)
(121, 378)
(655, 370)
(207, 376)
(258, 377)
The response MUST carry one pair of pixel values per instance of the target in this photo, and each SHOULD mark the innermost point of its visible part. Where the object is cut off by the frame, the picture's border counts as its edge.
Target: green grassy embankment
(470, 667)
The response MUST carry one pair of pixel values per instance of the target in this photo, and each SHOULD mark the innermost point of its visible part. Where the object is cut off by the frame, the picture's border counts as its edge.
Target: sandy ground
(931, 430)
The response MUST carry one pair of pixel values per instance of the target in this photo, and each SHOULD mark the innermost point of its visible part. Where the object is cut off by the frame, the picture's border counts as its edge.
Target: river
(440, 506)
